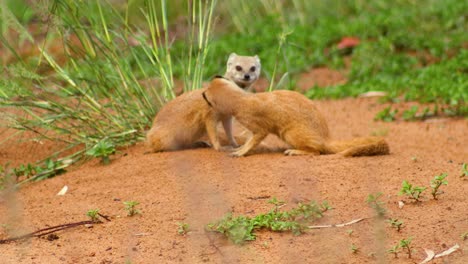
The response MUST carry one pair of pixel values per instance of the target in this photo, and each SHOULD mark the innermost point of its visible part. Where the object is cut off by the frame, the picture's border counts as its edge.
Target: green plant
(394, 250)
(464, 170)
(410, 114)
(103, 149)
(374, 203)
(395, 223)
(242, 228)
(354, 249)
(115, 77)
(406, 244)
(130, 207)
(464, 236)
(438, 181)
(93, 214)
(386, 115)
(349, 232)
(183, 228)
(413, 192)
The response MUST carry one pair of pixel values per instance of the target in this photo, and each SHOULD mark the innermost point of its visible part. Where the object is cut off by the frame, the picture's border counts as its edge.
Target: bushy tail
(367, 146)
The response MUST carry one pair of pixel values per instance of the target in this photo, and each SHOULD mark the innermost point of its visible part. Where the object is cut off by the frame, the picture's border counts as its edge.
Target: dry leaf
(430, 255)
(63, 191)
(401, 204)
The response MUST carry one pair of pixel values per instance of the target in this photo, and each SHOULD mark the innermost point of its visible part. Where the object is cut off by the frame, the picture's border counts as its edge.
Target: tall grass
(98, 93)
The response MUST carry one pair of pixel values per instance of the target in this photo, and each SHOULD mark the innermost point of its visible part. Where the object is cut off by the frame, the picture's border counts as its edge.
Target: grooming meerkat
(182, 122)
(287, 114)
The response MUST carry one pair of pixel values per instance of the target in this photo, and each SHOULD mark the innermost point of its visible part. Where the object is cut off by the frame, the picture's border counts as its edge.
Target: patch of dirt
(320, 77)
(200, 186)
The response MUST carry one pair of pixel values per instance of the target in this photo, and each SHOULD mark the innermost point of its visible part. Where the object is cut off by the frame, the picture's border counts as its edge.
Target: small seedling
(412, 192)
(406, 244)
(394, 250)
(130, 207)
(395, 223)
(103, 149)
(410, 114)
(277, 203)
(374, 203)
(438, 181)
(354, 249)
(183, 228)
(464, 171)
(349, 232)
(386, 115)
(93, 215)
(414, 159)
(464, 236)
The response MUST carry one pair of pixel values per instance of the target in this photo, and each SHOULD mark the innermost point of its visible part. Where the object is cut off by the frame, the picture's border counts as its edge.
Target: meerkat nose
(247, 77)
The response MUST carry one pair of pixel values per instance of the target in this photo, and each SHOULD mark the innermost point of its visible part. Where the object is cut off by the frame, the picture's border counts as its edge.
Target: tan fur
(287, 114)
(182, 122)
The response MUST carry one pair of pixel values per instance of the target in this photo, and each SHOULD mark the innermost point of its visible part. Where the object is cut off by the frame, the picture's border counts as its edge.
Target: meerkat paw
(298, 152)
(236, 154)
(227, 149)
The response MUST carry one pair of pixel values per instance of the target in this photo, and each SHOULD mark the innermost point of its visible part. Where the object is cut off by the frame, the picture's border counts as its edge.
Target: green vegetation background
(413, 50)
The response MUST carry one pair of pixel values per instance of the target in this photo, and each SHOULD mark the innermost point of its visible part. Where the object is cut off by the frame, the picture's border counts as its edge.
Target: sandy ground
(200, 186)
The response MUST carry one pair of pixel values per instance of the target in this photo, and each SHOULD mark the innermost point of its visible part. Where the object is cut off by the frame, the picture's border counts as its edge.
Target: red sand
(199, 186)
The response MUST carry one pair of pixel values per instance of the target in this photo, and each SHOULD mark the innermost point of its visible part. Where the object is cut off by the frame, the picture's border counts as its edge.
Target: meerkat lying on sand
(289, 115)
(187, 118)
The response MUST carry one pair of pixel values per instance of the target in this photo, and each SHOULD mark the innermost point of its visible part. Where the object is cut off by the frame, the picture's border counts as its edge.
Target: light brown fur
(182, 122)
(287, 114)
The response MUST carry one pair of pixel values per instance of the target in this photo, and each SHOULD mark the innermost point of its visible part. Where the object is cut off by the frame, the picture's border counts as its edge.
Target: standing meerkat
(183, 121)
(289, 115)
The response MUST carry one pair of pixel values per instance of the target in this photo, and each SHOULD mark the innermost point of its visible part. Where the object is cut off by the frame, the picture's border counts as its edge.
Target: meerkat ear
(231, 57)
(257, 58)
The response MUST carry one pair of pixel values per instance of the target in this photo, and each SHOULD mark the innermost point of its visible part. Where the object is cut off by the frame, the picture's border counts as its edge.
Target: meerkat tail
(366, 146)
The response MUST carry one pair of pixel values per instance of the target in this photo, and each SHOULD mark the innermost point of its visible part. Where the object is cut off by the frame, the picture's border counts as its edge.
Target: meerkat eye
(252, 69)
(238, 68)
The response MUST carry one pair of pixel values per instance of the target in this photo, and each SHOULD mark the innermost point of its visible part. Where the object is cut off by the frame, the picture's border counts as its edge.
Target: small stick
(337, 225)
(52, 229)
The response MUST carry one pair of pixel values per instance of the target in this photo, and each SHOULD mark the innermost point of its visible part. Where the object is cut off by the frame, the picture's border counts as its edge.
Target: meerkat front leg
(227, 124)
(252, 142)
(210, 125)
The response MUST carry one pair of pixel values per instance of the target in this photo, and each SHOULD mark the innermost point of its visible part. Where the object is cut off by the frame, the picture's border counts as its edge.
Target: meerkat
(183, 121)
(289, 115)
(243, 70)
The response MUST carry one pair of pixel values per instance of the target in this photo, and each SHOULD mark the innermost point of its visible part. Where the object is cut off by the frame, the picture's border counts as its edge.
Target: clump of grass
(464, 171)
(436, 183)
(464, 236)
(406, 244)
(93, 214)
(374, 202)
(183, 228)
(242, 228)
(354, 249)
(395, 223)
(394, 250)
(413, 192)
(130, 207)
(96, 102)
(103, 149)
(386, 115)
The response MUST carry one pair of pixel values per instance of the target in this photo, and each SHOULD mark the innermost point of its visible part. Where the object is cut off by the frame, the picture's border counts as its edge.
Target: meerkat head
(243, 70)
